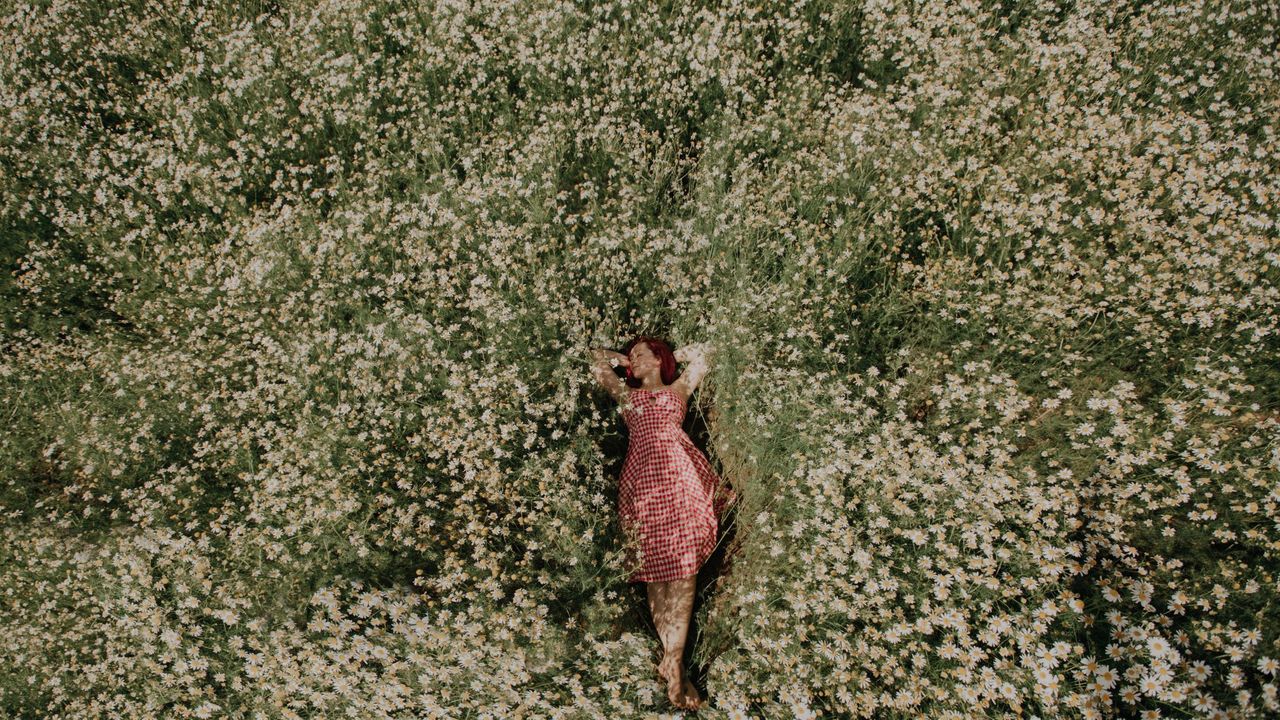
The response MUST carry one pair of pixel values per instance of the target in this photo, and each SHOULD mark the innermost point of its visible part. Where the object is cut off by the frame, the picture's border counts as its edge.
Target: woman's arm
(603, 371)
(697, 355)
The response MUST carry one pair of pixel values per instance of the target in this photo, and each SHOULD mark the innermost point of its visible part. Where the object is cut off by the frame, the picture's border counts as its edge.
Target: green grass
(298, 302)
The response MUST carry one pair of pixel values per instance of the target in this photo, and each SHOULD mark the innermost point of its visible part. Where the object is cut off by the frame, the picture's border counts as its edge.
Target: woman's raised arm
(697, 355)
(603, 371)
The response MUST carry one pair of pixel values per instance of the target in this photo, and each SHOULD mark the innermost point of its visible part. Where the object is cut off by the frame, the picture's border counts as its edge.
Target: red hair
(661, 350)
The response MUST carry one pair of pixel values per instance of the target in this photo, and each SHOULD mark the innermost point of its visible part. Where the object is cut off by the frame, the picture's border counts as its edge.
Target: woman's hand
(692, 351)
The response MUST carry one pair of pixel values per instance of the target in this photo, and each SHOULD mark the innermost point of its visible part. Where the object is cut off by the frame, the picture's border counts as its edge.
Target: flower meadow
(299, 299)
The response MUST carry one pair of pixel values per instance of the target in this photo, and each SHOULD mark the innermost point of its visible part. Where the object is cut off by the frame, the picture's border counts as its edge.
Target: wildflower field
(298, 300)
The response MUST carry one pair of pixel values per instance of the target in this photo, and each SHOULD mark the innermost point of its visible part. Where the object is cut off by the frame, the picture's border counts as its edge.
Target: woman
(669, 498)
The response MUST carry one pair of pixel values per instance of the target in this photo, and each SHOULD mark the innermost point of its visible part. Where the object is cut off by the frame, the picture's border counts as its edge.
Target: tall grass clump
(298, 302)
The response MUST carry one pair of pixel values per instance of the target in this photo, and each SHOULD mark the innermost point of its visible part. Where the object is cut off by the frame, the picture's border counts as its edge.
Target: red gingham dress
(669, 498)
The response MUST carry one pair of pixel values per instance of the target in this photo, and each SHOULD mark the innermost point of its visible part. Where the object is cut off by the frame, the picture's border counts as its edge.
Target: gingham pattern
(669, 498)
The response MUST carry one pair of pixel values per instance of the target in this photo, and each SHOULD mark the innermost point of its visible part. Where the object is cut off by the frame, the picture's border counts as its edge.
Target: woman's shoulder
(676, 388)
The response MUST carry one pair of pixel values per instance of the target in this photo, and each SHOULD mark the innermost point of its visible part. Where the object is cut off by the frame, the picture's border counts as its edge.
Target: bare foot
(672, 673)
(680, 691)
(692, 699)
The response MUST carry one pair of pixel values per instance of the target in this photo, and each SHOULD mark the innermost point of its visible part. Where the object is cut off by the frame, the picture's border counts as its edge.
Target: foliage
(298, 306)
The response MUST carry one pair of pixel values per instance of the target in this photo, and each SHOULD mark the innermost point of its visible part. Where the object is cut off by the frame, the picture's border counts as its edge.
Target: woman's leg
(672, 606)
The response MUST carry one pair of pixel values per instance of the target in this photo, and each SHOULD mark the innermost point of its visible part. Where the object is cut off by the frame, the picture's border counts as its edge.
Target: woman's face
(643, 361)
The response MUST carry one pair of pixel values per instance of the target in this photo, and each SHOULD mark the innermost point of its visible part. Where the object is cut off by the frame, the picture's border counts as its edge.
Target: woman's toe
(691, 694)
